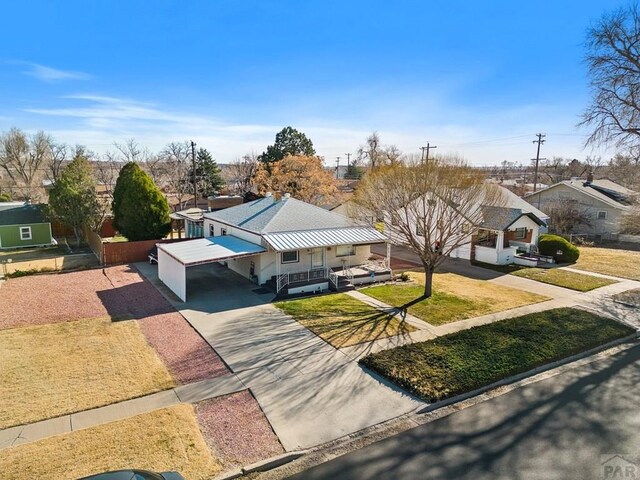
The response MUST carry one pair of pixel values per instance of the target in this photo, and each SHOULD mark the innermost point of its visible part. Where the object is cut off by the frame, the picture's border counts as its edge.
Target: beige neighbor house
(283, 244)
(604, 201)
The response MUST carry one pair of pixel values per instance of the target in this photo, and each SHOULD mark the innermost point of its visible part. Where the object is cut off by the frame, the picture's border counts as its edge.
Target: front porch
(498, 247)
(327, 278)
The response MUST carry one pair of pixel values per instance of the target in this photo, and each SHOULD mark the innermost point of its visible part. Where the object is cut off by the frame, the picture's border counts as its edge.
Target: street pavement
(580, 424)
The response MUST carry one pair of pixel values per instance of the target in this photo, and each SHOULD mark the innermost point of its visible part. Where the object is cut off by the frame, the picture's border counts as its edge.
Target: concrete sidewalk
(191, 393)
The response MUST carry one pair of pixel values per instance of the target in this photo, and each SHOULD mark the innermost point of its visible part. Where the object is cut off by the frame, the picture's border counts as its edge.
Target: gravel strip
(187, 356)
(236, 429)
(53, 298)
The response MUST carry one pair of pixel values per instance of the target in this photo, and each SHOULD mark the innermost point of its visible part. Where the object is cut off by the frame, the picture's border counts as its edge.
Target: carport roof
(210, 249)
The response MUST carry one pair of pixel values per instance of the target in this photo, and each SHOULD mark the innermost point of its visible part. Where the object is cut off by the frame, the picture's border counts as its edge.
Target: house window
(290, 257)
(223, 231)
(212, 230)
(520, 233)
(25, 233)
(602, 215)
(345, 250)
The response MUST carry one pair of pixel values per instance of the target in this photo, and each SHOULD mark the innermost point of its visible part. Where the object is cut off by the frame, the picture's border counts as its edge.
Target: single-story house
(23, 225)
(604, 201)
(283, 244)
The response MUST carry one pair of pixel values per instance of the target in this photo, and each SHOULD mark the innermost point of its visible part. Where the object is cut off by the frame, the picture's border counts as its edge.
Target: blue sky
(474, 78)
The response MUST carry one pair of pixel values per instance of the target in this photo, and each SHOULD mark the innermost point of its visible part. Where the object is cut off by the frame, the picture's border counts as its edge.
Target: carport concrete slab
(314, 408)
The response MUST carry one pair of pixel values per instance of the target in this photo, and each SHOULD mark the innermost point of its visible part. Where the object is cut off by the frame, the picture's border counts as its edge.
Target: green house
(23, 225)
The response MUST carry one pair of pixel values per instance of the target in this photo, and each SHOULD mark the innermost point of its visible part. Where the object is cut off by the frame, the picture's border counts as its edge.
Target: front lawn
(608, 261)
(51, 370)
(470, 359)
(564, 278)
(454, 297)
(167, 439)
(342, 320)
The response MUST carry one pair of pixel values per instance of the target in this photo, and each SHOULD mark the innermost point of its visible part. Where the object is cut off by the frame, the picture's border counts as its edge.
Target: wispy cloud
(49, 74)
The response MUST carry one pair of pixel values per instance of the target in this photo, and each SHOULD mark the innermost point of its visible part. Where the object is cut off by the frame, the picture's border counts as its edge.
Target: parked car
(134, 475)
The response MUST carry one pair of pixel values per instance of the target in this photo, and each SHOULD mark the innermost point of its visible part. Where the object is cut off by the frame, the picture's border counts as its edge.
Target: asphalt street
(583, 423)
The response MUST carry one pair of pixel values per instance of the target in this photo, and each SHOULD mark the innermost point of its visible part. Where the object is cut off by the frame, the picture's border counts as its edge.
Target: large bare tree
(240, 174)
(566, 214)
(613, 60)
(430, 208)
(376, 154)
(24, 157)
(176, 157)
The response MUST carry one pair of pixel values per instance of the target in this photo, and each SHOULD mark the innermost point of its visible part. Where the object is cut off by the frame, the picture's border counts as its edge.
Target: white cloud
(48, 74)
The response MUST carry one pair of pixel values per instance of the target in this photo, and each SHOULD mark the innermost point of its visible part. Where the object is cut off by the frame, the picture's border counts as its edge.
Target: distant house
(287, 245)
(603, 200)
(23, 225)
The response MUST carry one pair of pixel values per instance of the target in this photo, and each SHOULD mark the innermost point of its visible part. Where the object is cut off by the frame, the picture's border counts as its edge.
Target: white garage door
(463, 251)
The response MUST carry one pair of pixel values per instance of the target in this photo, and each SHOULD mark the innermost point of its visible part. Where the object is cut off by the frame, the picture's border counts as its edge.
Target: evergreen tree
(208, 174)
(73, 199)
(140, 210)
(289, 141)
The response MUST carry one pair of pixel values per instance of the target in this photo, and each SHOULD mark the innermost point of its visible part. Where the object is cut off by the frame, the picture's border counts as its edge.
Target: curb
(529, 373)
(263, 465)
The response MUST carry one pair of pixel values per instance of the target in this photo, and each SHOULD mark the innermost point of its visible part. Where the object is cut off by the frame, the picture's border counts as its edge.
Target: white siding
(173, 274)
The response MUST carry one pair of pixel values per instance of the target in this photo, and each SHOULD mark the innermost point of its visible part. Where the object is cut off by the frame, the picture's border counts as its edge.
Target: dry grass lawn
(608, 261)
(50, 370)
(454, 297)
(342, 320)
(167, 439)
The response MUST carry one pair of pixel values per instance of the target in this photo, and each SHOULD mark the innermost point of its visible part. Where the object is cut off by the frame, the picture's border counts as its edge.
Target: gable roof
(501, 218)
(22, 215)
(607, 191)
(268, 215)
(511, 200)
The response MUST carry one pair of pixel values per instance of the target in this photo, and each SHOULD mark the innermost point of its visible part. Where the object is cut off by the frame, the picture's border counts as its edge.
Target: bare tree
(176, 159)
(566, 214)
(106, 171)
(131, 151)
(430, 208)
(23, 158)
(613, 59)
(377, 154)
(57, 159)
(240, 174)
(625, 169)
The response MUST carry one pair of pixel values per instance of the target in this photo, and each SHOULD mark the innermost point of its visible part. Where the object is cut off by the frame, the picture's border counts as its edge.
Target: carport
(175, 258)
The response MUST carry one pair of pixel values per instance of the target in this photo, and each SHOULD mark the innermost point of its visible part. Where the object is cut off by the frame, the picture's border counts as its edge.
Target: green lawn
(342, 320)
(609, 261)
(467, 360)
(454, 297)
(553, 276)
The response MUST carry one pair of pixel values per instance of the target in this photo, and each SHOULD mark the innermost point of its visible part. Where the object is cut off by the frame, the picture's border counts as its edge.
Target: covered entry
(175, 258)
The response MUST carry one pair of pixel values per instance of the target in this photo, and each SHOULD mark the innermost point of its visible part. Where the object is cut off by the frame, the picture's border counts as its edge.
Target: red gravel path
(237, 430)
(119, 292)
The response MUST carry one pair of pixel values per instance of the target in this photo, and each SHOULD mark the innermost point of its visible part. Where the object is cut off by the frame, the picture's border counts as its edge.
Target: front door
(317, 258)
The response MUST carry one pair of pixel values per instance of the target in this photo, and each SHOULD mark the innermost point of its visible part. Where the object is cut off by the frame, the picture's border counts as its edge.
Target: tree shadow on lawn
(556, 429)
(133, 300)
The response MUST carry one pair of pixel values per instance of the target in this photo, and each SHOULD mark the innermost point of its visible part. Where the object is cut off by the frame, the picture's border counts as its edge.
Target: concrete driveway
(310, 392)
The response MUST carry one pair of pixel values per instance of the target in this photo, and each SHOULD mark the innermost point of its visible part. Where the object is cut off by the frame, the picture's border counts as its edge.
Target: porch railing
(303, 276)
(333, 278)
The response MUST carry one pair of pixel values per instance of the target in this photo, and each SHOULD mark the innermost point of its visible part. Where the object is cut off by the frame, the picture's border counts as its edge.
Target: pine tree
(208, 174)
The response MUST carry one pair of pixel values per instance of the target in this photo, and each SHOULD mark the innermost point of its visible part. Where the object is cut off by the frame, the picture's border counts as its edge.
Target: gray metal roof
(268, 215)
(210, 249)
(323, 238)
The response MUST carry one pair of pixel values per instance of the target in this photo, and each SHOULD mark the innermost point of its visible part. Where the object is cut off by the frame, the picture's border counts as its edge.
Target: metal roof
(268, 215)
(22, 215)
(323, 238)
(209, 249)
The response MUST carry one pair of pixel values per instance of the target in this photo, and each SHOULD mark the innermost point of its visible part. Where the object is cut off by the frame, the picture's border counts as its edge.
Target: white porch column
(500, 242)
(388, 255)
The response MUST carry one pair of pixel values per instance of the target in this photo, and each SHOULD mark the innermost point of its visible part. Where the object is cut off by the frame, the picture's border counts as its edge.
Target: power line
(539, 141)
(427, 148)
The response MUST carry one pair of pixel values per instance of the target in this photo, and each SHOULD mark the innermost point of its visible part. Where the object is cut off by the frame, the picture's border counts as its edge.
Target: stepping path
(191, 393)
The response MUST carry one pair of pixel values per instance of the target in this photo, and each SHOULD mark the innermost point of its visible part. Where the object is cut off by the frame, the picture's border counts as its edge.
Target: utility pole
(348, 164)
(193, 168)
(427, 148)
(539, 141)
(337, 167)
